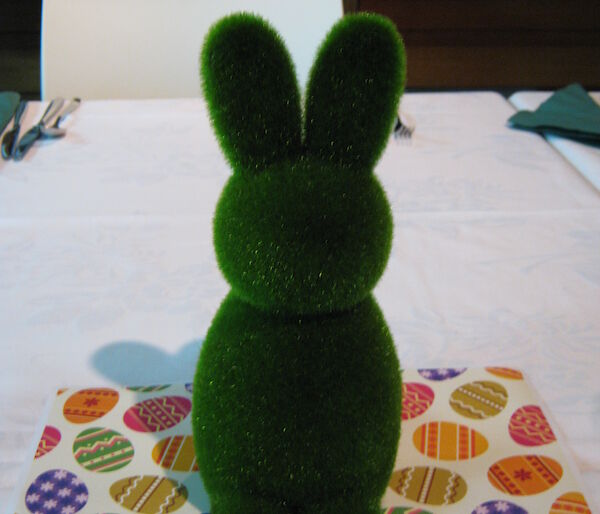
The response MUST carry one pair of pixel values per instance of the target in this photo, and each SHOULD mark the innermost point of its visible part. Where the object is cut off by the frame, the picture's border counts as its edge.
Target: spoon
(54, 130)
(10, 138)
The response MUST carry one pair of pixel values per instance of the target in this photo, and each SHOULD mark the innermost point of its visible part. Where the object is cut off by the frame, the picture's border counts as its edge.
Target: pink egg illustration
(416, 399)
(529, 427)
(49, 440)
(156, 414)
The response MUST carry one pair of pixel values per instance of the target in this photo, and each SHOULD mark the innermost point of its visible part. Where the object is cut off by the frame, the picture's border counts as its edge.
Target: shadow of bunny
(152, 372)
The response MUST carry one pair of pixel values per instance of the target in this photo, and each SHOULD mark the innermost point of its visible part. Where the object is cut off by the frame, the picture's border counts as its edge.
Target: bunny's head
(302, 226)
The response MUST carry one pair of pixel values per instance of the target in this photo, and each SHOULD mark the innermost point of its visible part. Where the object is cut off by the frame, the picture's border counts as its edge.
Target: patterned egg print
(176, 453)
(149, 494)
(49, 440)
(528, 426)
(439, 374)
(523, 475)
(428, 485)
(479, 400)
(444, 440)
(499, 507)
(89, 404)
(156, 414)
(148, 389)
(56, 491)
(570, 503)
(404, 510)
(103, 450)
(416, 399)
(512, 374)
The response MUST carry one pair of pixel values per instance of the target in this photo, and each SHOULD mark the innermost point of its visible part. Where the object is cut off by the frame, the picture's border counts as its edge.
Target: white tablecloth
(106, 254)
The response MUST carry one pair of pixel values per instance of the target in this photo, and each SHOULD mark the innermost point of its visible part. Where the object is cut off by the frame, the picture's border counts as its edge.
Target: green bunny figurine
(297, 393)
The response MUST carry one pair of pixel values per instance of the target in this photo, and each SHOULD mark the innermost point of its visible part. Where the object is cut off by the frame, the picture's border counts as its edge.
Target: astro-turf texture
(297, 393)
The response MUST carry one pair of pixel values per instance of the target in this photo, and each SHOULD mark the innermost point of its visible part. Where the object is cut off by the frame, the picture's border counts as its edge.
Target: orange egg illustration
(522, 475)
(444, 440)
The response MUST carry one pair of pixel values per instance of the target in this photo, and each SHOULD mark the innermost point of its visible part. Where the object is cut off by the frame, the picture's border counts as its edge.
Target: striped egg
(522, 475)
(510, 373)
(148, 389)
(570, 503)
(479, 400)
(88, 405)
(176, 453)
(102, 450)
(416, 399)
(49, 440)
(444, 440)
(156, 414)
(529, 427)
(149, 494)
(429, 485)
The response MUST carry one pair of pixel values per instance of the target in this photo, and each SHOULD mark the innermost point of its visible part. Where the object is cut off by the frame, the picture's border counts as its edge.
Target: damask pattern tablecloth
(473, 441)
(108, 275)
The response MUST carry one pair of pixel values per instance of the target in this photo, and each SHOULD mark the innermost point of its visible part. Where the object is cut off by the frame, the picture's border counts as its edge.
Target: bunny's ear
(252, 94)
(353, 91)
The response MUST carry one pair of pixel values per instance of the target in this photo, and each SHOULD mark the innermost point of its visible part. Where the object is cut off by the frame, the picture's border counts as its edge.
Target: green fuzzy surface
(296, 413)
(297, 393)
(353, 91)
(250, 87)
(302, 237)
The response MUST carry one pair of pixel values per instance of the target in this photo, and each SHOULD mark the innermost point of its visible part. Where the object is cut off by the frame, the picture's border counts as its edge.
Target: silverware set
(47, 127)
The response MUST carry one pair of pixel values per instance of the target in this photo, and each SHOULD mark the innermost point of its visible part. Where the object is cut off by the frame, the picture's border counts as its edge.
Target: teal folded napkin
(570, 112)
(8, 105)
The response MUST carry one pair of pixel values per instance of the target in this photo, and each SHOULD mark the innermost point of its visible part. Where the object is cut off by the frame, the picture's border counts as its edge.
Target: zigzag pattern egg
(529, 427)
(149, 494)
(429, 485)
(416, 399)
(156, 414)
(102, 450)
(49, 440)
(479, 400)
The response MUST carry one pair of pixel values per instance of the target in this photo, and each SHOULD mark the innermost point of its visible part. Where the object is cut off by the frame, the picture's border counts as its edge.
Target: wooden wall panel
(496, 44)
(20, 23)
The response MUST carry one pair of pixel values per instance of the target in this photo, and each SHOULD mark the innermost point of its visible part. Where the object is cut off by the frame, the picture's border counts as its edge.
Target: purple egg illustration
(56, 491)
(498, 507)
(439, 374)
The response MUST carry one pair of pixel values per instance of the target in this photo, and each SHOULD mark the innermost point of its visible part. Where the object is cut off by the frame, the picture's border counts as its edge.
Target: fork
(404, 126)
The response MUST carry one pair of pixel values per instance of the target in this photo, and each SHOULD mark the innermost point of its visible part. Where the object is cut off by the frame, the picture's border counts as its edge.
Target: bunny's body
(297, 392)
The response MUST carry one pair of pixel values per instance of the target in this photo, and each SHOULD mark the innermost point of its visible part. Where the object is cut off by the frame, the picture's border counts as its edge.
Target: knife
(9, 141)
(35, 132)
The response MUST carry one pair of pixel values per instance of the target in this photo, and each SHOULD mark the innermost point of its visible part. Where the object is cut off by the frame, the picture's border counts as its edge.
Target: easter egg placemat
(473, 441)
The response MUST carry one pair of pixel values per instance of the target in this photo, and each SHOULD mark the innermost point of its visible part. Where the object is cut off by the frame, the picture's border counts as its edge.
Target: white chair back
(150, 48)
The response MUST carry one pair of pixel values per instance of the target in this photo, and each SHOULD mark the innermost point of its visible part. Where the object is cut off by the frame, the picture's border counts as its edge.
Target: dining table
(108, 275)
